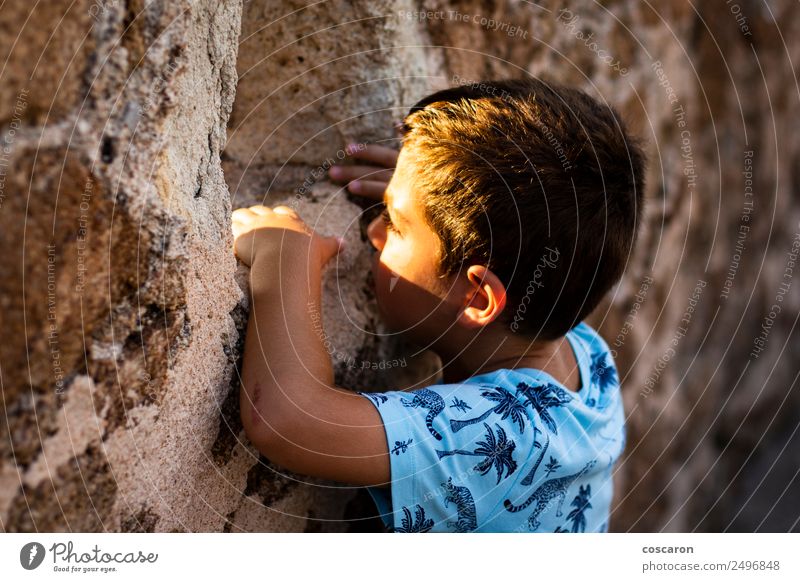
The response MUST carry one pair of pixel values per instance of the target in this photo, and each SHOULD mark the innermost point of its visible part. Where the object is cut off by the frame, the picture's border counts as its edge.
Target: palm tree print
(603, 373)
(460, 404)
(417, 524)
(552, 466)
(581, 504)
(506, 405)
(542, 397)
(497, 452)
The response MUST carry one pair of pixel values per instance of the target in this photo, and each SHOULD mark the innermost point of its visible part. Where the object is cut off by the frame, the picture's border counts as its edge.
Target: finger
(381, 155)
(331, 246)
(260, 210)
(285, 210)
(367, 188)
(238, 230)
(244, 215)
(348, 173)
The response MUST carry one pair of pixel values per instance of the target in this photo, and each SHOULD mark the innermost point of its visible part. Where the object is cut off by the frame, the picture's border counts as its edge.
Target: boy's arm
(291, 409)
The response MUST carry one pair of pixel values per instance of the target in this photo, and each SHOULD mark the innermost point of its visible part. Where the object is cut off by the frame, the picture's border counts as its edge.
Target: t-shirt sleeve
(449, 451)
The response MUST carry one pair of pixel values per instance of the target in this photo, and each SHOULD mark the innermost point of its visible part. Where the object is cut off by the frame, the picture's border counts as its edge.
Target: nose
(376, 231)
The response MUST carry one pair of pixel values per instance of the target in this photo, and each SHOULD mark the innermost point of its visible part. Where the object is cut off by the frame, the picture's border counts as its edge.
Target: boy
(512, 210)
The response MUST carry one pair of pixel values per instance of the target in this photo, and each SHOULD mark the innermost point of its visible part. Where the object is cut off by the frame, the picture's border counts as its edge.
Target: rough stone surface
(118, 301)
(122, 306)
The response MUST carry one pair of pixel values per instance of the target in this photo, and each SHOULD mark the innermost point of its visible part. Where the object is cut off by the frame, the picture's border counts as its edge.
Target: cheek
(386, 296)
(391, 263)
(402, 286)
(386, 277)
(395, 288)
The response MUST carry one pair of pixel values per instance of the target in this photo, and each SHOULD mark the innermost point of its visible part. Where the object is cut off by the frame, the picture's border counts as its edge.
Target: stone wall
(119, 298)
(122, 305)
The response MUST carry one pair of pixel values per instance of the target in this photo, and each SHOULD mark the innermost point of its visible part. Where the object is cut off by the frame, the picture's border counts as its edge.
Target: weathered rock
(117, 303)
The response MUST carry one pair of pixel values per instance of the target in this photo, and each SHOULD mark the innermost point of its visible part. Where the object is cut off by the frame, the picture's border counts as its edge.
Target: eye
(387, 220)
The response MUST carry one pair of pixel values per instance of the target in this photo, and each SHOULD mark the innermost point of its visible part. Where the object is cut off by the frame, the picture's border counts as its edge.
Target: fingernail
(340, 240)
(352, 148)
(335, 172)
(355, 186)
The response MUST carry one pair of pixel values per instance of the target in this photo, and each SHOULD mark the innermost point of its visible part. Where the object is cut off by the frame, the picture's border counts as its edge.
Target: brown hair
(515, 171)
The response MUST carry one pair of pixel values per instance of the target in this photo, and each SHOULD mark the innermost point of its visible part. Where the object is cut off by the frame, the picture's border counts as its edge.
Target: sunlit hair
(510, 169)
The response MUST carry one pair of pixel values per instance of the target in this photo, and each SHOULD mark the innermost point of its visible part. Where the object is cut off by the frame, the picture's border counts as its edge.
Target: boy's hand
(369, 181)
(261, 231)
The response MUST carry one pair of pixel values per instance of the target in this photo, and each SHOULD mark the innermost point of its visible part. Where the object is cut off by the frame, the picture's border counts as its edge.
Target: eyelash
(387, 220)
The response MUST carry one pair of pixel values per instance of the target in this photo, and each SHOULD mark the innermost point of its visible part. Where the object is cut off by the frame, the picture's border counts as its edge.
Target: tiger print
(465, 505)
(547, 492)
(435, 404)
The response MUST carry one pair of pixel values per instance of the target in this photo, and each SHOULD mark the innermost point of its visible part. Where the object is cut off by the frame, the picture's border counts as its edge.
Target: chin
(386, 313)
(389, 316)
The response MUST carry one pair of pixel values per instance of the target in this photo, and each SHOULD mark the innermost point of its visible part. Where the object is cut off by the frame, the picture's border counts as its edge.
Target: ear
(487, 298)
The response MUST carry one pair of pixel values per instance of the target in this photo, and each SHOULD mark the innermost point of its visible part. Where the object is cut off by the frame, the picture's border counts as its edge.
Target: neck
(489, 351)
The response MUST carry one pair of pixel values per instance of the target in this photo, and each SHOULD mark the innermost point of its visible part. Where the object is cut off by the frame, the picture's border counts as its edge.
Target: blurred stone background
(131, 129)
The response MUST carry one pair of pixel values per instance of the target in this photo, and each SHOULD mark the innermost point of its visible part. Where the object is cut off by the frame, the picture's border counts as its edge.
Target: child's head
(532, 187)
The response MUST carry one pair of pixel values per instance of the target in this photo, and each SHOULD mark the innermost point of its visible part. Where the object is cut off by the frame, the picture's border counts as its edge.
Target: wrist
(287, 270)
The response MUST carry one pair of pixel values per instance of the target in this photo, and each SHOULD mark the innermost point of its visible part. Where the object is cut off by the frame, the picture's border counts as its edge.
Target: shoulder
(593, 340)
(597, 353)
(439, 399)
(457, 414)
(502, 406)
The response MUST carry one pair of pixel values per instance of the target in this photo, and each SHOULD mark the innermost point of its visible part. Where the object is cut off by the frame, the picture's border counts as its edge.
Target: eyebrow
(387, 200)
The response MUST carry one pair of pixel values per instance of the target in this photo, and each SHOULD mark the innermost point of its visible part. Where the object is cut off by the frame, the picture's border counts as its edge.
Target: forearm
(286, 367)
(290, 409)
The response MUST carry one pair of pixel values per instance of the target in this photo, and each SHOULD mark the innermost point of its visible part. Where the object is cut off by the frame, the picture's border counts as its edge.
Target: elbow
(256, 436)
(262, 429)
(271, 440)
(265, 437)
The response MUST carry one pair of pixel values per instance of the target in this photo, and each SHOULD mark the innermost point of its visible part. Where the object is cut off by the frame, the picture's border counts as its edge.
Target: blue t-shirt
(511, 450)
